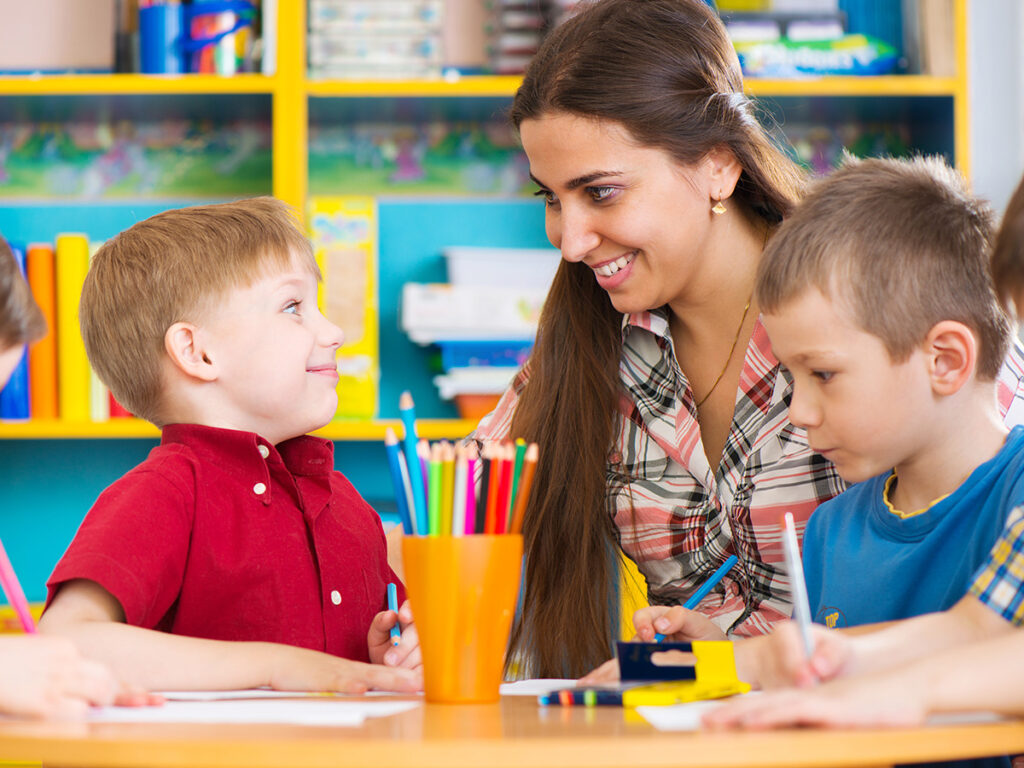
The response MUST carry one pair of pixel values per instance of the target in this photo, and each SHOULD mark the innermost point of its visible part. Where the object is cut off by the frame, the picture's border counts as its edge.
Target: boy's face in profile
(861, 410)
(9, 359)
(275, 354)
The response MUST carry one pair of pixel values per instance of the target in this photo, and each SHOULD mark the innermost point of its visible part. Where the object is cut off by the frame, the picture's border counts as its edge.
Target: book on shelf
(72, 259)
(42, 356)
(99, 395)
(14, 395)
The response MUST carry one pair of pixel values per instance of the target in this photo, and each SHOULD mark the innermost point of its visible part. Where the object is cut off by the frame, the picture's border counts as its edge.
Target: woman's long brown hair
(666, 71)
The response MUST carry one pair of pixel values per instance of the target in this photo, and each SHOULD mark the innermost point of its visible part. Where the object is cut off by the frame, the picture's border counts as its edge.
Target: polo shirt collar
(236, 450)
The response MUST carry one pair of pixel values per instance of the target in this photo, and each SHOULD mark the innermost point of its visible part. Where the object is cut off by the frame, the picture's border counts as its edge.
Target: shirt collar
(236, 450)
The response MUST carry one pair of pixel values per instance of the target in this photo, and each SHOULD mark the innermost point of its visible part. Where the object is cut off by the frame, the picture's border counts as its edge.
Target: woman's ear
(724, 172)
(952, 352)
(184, 345)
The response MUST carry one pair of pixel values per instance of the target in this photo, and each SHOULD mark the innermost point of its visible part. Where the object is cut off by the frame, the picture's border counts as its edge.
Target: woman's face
(629, 212)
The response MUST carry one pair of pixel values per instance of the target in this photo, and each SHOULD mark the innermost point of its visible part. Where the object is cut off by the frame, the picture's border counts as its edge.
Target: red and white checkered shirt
(679, 519)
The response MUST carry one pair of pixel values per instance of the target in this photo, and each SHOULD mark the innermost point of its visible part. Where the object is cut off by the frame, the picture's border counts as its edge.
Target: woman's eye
(600, 194)
(548, 195)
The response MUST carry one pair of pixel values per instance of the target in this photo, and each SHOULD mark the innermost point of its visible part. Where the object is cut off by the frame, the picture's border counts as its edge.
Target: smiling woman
(659, 409)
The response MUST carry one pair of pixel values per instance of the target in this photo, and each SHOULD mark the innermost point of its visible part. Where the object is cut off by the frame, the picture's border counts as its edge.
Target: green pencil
(434, 503)
(517, 470)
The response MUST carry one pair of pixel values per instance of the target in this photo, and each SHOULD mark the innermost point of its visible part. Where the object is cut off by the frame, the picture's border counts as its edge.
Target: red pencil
(502, 522)
(491, 520)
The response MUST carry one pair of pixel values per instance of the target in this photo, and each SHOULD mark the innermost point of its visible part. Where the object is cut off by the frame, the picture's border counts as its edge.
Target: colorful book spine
(42, 356)
(99, 395)
(117, 411)
(72, 365)
(14, 396)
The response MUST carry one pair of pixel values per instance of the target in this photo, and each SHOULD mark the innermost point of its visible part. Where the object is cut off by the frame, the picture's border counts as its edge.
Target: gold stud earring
(718, 209)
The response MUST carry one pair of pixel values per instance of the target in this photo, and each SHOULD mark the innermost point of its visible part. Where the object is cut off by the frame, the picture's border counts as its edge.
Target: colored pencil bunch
(445, 489)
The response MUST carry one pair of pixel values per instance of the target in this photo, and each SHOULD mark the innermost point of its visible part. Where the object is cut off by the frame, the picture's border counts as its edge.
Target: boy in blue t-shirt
(962, 659)
(877, 298)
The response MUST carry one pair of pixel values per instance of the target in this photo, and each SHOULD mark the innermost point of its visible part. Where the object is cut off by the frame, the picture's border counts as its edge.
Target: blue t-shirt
(864, 564)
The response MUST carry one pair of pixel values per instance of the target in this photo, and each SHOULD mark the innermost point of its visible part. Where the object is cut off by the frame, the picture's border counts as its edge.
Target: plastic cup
(463, 591)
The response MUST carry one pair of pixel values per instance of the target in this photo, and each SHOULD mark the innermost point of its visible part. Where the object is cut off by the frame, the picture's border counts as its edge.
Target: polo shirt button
(336, 597)
(259, 489)
(264, 451)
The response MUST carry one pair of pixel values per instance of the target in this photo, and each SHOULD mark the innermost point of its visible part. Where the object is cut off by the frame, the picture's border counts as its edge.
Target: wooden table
(515, 732)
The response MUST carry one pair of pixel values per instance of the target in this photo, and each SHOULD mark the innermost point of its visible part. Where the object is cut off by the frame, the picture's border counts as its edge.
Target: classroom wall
(995, 52)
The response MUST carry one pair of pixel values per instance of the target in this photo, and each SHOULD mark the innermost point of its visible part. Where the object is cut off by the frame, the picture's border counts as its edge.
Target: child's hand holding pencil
(381, 639)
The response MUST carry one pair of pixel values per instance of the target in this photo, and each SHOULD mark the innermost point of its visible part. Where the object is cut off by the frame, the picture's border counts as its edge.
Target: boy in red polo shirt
(235, 556)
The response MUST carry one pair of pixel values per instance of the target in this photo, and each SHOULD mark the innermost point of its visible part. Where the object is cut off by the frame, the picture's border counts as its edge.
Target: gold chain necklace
(732, 350)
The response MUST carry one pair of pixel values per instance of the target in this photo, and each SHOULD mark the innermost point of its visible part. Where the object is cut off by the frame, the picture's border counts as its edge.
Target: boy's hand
(778, 660)
(676, 623)
(407, 653)
(44, 677)
(301, 669)
(869, 701)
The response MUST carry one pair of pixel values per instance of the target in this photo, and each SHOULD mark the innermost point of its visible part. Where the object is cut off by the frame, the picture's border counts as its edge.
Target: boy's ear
(723, 172)
(184, 345)
(952, 352)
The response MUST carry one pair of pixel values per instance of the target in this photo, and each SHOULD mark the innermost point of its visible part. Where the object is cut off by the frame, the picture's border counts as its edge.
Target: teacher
(652, 391)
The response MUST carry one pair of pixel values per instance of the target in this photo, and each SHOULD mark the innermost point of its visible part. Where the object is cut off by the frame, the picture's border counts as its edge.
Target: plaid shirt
(999, 583)
(678, 518)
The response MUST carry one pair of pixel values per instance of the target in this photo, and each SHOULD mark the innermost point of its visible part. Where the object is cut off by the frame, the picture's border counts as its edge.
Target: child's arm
(778, 660)
(984, 675)
(45, 677)
(90, 616)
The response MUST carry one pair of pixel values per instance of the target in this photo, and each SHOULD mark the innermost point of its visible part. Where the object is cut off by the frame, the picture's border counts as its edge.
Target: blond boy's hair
(168, 269)
(21, 321)
(901, 245)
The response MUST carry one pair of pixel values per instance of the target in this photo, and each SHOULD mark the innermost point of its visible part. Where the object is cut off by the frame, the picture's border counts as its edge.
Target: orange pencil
(502, 520)
(491, 520)
(525, 485)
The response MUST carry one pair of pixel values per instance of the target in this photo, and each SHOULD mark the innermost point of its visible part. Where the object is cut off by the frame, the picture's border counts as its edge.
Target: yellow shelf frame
(373, 430)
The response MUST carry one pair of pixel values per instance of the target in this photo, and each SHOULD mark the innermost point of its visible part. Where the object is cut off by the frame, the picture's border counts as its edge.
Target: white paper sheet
(307, 710)
(536, 687)
(677, 717)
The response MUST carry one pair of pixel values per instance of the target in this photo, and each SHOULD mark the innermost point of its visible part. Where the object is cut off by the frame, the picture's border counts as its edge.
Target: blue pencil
(395, 465)
(396, 631)
(706, 587)
(419, 491)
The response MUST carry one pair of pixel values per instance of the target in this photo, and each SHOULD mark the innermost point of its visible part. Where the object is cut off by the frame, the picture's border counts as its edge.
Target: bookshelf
(291, 92)
(53, 469)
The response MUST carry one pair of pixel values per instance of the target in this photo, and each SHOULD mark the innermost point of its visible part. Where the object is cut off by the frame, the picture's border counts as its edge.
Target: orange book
(42, 356)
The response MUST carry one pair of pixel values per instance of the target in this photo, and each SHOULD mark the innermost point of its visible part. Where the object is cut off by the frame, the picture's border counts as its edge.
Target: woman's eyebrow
(579, 181)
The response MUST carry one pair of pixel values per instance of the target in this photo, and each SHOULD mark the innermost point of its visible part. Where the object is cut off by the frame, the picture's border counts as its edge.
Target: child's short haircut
(901, 245)
(21, 321)
(168, 269)
(1008, 253)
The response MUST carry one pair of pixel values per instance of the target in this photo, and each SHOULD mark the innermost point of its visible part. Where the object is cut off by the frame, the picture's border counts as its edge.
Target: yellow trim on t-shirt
(900, 514)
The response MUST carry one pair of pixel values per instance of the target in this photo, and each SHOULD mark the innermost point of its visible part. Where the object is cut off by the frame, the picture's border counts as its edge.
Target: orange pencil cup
(463, 591)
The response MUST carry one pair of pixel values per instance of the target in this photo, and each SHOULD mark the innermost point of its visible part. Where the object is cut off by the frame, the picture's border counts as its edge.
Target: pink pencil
(471, 455)
(12, 589)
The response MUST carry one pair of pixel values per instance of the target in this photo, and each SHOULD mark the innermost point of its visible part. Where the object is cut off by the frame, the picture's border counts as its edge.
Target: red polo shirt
(219, 534)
